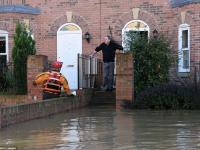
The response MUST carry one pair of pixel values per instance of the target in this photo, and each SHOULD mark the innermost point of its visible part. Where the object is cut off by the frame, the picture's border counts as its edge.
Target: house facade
(64, 28)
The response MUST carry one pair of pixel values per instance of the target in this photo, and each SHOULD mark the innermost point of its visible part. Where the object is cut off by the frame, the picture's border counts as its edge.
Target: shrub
(168, 96)
(24, 45)
(152, 60)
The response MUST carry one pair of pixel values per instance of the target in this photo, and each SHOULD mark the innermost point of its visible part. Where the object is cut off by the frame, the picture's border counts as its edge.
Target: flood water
(107, 129)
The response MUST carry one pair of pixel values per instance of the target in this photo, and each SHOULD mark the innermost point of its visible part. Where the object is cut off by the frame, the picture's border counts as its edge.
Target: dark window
(2, 45)
(185, 39)
(143, 34)
(132, 35)
(186, 58)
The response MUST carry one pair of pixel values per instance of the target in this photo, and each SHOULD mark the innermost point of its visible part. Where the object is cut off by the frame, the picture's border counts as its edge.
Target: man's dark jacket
(108, 51)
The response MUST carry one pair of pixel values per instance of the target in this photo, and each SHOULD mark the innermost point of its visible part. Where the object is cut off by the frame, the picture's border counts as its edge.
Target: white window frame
(181, 68)
(5, 34)
(125, 29)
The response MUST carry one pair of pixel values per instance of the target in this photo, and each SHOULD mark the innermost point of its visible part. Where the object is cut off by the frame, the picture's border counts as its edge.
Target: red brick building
(59, 27)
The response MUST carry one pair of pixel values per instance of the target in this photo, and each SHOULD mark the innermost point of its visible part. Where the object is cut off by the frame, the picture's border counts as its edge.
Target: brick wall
(6, 100)
(24, 112)
(124, 79)
(96, 16)
(36, 64)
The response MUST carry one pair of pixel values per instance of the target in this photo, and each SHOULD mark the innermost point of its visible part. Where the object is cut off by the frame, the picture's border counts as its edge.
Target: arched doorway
(69, 44)
(132, 27)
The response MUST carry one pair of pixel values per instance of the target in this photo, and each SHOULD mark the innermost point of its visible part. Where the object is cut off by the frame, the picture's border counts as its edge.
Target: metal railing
(90, 71)
(190, 78)
(7, 81)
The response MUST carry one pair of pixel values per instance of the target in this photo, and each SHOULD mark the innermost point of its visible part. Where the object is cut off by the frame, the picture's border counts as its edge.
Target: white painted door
(69, 44)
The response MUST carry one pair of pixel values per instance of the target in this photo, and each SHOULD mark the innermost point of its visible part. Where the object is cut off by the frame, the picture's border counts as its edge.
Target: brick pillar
(35, 64)
(124, 79)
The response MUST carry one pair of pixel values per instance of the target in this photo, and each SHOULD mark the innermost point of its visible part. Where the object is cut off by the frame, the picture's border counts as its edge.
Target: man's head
(107, 39)
(56, 65)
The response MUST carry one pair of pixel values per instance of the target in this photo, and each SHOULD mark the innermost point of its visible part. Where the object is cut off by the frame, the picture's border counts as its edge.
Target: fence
(90, 72)
(7, 81)
(191, 78)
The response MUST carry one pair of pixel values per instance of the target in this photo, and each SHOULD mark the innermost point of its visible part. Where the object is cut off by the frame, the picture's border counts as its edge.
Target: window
(135, 27)
(3, 47)
(70, 27)
(184, 48)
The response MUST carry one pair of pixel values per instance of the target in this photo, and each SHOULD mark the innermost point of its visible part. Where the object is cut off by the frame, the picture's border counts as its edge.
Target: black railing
(89, 71)
(7, 80)
(190, 78)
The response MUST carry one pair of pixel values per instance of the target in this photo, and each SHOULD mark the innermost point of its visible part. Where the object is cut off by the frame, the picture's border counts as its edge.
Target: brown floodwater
(106, 129)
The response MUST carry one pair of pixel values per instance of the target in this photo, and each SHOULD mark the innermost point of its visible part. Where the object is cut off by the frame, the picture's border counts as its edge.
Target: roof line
(19, 9)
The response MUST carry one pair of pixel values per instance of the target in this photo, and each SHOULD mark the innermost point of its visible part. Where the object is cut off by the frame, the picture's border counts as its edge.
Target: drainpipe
(78, 65)
(100, 13)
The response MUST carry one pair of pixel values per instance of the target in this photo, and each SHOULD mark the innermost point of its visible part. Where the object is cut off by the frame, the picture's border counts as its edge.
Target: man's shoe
(103, 88)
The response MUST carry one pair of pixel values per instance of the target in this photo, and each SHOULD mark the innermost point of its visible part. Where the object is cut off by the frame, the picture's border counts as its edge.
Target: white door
(69, 44)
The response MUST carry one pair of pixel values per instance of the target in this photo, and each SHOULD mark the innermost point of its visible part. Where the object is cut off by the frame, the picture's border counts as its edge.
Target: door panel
(69, 45)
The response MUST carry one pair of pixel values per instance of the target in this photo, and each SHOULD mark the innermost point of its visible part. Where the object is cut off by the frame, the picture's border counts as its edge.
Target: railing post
(78, 65)
(88, 67)
(90, 73)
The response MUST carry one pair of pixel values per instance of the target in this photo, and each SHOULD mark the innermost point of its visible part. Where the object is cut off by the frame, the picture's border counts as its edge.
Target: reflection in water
(106, 129)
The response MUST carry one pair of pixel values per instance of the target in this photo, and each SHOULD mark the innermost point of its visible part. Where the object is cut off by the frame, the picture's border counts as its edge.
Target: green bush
(152, 60)
(168, 96)
(24, 45)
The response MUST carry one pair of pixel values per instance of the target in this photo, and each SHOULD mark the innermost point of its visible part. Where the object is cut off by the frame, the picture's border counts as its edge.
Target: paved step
(103, 94)
(103, 98)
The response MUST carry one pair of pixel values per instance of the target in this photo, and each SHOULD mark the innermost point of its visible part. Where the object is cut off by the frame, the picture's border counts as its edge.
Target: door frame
(79, 31)
(69, 32)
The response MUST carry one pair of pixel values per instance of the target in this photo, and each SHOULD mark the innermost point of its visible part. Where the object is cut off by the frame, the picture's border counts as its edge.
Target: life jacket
(53, 83)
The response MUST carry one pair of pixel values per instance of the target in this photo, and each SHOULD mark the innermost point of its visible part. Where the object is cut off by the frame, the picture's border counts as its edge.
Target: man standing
(108, 48)
(52, 82)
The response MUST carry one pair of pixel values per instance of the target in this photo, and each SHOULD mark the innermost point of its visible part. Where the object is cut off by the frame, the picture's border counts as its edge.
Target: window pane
(136, 25)
(2, 45)
(131, 35)
(185, 39)
(185, 59)
(70, 27)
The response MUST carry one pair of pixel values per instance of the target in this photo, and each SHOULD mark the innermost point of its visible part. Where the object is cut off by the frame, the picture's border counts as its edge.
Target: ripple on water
(107, 129)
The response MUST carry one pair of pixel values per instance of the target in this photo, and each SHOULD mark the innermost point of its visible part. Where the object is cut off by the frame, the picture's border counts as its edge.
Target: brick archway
(145, 16)
(62, 20)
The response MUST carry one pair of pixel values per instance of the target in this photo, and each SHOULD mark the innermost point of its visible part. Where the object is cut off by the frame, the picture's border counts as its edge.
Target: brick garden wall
(6, 100)
(24, 112)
